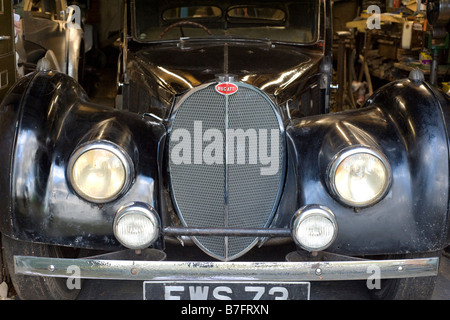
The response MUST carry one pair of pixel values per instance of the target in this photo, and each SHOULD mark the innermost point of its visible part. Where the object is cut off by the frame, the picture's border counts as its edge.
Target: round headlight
(314, 227)
(360, 177)
(99, 172)
(136, 226)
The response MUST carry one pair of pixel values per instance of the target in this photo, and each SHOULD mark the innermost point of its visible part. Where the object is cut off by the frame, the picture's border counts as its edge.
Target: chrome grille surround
(232, 193)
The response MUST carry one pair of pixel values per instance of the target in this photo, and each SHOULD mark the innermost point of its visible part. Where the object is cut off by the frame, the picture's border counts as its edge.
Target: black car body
(225, 141)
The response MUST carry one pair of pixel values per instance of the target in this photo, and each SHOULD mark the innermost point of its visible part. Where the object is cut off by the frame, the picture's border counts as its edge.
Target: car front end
(225, 144)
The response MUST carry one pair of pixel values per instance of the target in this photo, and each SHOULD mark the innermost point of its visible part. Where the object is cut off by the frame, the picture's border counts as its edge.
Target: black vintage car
(222, 139)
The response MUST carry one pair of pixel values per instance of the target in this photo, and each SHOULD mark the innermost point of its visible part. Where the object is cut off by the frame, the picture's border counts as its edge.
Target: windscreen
(279, 21)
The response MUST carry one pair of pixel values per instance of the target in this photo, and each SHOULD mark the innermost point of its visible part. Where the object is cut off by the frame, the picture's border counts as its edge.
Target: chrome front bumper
(97, 268)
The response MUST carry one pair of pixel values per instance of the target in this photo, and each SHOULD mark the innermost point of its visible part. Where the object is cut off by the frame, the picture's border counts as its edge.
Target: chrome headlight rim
(137, 208)
(344, 154)
(117, 151)
(306, 212)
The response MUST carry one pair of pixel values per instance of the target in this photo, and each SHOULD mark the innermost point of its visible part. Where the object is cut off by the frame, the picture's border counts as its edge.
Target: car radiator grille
(212, 184)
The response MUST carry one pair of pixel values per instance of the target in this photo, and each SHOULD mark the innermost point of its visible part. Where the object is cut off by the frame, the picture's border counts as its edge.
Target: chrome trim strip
(227, 164)
(231, 232)
(258, 271)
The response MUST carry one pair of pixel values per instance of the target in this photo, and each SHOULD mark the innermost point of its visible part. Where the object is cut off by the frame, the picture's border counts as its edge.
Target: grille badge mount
(226, 88)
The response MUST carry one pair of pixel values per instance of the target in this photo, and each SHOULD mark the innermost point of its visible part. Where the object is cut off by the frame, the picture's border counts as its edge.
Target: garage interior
(364, 59)
(369, 51)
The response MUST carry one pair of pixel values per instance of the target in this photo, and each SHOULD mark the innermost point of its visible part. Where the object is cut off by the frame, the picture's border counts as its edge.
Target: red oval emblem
(226, 88)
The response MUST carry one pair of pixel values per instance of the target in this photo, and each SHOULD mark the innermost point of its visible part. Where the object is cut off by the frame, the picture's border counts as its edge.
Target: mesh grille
(241, 192)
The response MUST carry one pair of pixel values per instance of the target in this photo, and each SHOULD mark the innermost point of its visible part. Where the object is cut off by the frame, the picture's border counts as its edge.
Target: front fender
(46, 116)
(407, 122)
(42, 121)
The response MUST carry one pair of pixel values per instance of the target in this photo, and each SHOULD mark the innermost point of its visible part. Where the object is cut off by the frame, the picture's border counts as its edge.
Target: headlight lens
(136, 226)
(360, 177)
(314, 227)
(99, 172)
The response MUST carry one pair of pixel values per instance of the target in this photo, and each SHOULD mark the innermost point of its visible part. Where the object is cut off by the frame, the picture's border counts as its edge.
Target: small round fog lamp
(136, 226)
(314, 227)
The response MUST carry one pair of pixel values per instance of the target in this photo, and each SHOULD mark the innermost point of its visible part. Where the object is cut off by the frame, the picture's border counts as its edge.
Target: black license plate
(226, 290)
